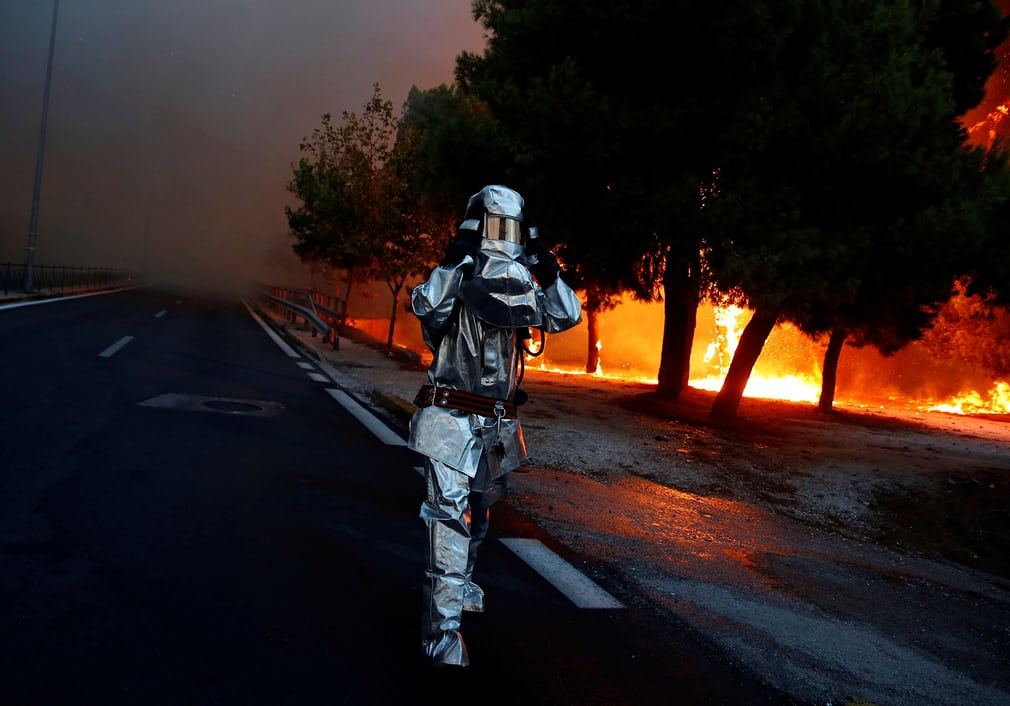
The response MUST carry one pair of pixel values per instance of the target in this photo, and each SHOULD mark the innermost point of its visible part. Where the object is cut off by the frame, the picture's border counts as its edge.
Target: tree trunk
(347, 296)
(593, 337)
(680, 316)
(394, 290)
(829, 376)
(392, 323)
(752, 340)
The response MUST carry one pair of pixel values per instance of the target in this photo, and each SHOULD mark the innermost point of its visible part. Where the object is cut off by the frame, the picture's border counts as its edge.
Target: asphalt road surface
(189, 515)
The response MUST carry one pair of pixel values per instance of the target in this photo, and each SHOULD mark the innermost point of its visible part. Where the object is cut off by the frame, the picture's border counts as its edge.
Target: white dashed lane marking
(371, 422)
(114, 348)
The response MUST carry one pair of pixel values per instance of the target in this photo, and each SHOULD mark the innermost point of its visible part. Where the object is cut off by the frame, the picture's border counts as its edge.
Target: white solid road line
(51, 300)
(381, 431)
(288, 350)
(579, 589)
(111, 350)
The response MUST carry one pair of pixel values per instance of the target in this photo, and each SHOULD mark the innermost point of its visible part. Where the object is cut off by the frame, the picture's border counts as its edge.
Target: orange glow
(729, 323)
(794, 388)
(985, 130)
(789, 367)
(997, 401)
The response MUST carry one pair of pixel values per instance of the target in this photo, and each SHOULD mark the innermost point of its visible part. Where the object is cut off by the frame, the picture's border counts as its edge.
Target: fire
(987, 129)
(719, 334)
(787, 369)
(729, 323)
(728, 329)
(972, 402)
(794, 388)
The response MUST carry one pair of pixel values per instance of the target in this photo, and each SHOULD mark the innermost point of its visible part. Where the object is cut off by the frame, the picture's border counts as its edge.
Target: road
(189, 515)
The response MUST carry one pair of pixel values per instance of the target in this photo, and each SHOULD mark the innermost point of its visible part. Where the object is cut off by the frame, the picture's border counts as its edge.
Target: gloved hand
(544, 266)
(467, 242)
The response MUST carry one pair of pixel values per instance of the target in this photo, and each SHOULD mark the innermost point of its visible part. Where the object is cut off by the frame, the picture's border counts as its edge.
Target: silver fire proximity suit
(472, 310)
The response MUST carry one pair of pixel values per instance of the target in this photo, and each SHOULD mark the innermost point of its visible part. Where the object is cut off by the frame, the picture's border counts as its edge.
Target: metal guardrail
(323, 313)
(59, 277)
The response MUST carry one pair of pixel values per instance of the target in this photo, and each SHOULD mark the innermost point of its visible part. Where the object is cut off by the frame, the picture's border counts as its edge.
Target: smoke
(173, 126)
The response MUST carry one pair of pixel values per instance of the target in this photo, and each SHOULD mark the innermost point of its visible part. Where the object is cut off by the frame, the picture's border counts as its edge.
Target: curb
(394, 404)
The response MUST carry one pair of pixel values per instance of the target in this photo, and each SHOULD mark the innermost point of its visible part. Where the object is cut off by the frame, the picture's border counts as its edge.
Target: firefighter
(474, 310)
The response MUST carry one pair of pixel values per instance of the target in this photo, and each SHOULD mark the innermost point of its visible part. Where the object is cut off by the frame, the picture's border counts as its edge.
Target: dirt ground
(930, 484)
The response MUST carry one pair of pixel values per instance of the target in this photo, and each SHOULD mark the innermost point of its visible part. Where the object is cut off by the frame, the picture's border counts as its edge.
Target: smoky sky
(173, 124)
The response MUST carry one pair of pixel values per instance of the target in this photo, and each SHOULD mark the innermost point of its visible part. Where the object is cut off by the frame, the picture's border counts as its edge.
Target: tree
(988, 274)
(320, 225)
(358, 212)
(417, 226)
(973, 330)
(456, 146)
(614, 157)
(865, 168)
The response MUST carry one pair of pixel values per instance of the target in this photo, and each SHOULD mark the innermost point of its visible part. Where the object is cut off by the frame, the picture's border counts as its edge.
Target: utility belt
(468, 402)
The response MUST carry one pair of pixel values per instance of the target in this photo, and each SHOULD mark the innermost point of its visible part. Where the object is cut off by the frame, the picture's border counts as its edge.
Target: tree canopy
(851, 212)
(800, 157)
(358, 210)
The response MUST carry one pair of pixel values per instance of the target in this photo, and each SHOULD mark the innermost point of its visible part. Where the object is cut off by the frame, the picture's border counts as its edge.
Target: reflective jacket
(476, 356)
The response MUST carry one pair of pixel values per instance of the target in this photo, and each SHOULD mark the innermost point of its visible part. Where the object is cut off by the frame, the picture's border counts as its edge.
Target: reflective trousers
(456, 513)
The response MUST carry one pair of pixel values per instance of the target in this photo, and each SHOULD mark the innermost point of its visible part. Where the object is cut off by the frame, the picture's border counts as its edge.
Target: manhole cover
(221, 405)
(232, 406)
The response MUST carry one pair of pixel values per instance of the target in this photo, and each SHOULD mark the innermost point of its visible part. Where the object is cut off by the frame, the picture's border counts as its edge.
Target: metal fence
(323, 313)
(49, 278)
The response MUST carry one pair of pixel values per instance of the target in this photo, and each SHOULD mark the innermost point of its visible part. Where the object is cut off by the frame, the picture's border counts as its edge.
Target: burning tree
(611, 126)
(852, 213)
(789, 154)
(973, 329)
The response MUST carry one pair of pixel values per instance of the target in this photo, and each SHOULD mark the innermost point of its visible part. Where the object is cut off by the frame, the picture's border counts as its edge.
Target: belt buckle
(499, 409)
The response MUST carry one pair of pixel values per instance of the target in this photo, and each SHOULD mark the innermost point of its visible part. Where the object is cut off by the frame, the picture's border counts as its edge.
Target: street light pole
(33, 226)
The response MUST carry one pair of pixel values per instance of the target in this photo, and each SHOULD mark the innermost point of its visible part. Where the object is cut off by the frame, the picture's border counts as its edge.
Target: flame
(729, 322)
(996, 401)
(987, 129)
(793, 388)
(787, 369)
(729, 326)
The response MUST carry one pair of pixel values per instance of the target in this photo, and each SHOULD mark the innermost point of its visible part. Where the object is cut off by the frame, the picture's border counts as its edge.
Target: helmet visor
(499, 228)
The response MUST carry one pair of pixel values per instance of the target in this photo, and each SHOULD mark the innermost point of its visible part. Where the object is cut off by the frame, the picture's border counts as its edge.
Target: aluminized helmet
(499, 213)
(501, 291)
